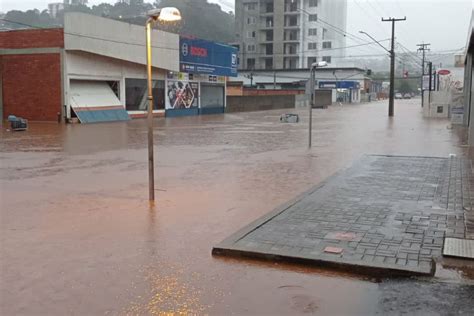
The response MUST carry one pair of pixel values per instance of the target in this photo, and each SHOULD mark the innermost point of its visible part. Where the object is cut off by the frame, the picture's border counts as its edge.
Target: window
(269, 7)
(312, 32)
(313, 17)
(327, 45)
(250, 48)
(312, 46)
(269, 36)
(325, 33)
(251, 34)
(327, 59)
(313, 3)
(291, 21)
(311, 60)
(251, 20)
(269, 22)
(269, 63)
(292, 35)
(251, 63)
(135, 94)
(269, 49)
(251, 6)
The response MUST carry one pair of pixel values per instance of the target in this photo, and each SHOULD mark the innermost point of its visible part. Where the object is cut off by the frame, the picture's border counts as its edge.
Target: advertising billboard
(203, 57)
(426, 82)
(182, 95)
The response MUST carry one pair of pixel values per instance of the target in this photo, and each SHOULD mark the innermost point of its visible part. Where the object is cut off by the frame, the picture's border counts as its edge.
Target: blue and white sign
(339, 84)
(203, 57)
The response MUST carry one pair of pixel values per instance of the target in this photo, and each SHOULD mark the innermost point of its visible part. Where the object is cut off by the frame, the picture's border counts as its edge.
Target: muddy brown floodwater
(78, 235)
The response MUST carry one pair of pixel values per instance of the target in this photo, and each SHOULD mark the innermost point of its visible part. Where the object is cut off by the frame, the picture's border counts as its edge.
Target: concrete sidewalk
(385, 215)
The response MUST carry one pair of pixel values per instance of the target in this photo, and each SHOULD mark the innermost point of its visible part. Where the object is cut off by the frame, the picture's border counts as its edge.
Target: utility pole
(430, 71)
(250, 76)
(274, 80)
(423, 48)
(391, 102)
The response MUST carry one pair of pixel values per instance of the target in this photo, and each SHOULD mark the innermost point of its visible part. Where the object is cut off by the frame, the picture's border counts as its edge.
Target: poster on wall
(182, 95)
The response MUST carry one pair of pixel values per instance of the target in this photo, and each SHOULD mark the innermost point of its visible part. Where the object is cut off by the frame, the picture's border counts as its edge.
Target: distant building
(289, 34)
(54, 8)
(347, 83)
(123, 1)
(75, 2)
(459, 61)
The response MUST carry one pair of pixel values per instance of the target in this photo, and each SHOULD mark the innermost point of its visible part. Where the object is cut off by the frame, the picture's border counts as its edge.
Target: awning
(95, 101)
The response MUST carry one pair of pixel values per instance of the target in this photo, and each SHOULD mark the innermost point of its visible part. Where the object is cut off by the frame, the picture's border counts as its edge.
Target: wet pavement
(78, 235)
(385, 215)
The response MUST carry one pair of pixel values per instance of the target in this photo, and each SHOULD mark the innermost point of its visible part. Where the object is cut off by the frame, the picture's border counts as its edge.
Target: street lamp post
(165, 15)
(312, 82)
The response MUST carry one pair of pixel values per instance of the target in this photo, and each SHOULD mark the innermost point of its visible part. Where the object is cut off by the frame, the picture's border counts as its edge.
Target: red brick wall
(32, 38)
(31, 86)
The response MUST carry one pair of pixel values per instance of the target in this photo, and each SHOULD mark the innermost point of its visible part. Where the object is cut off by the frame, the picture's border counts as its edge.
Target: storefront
(200, 87)
(343, 91)
(189, 94)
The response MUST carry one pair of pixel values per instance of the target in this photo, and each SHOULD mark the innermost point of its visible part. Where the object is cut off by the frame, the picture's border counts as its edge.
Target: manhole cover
(463, 248)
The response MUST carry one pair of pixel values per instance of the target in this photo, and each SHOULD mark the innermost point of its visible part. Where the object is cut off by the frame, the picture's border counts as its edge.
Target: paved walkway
(384, 214)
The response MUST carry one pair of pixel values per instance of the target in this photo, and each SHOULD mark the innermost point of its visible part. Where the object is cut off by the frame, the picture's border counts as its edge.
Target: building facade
(469, 82)
(94, 70)
(75, 2)
(289, 34)
(347, 84)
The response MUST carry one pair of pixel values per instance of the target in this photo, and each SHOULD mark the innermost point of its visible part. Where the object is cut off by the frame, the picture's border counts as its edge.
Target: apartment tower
(289, 34)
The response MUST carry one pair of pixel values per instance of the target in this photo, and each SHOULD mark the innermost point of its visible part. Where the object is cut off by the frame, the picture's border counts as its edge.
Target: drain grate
(463, 248)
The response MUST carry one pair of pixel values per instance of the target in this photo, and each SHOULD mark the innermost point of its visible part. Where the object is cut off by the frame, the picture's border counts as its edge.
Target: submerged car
(398, 96)
(407, 96)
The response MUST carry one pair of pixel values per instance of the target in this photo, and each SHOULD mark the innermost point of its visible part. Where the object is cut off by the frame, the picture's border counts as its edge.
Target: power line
(162, 47)
(364, 11)
(170, 48)
(400, 7)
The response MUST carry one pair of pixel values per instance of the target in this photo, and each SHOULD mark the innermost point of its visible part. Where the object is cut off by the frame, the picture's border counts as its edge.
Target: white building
(75, 2)
(289, 34)
(55, 8)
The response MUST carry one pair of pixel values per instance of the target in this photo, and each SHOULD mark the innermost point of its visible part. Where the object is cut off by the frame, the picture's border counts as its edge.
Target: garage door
(95, 101)
(212, 99)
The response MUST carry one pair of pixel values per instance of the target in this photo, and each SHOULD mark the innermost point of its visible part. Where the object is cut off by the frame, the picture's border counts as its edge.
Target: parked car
(407, 96)
(398, 96)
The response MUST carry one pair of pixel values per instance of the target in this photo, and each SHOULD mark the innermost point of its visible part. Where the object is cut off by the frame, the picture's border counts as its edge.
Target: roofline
(33, 29)
(302, 69)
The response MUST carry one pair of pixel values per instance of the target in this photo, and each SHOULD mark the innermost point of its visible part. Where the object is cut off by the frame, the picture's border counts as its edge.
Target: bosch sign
(198, 51)
(204, 57)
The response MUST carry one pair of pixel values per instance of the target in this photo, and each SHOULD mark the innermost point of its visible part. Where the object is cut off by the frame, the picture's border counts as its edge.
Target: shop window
(136, 94)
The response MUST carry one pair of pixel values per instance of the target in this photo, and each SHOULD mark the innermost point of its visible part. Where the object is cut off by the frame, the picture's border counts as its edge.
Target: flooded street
(78, 235)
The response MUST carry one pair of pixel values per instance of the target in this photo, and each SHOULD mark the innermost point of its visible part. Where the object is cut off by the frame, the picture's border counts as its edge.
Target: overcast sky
(443, 23)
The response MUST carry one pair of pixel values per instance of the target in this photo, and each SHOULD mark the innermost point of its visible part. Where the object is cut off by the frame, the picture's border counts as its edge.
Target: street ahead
(78, 235)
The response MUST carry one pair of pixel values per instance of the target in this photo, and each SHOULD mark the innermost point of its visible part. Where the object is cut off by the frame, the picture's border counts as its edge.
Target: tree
(200, 18)
(203, 19)
(103, 9)
(33, 18)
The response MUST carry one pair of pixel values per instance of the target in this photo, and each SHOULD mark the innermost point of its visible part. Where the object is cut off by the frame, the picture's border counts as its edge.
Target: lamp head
(319, 64)
(168, 14)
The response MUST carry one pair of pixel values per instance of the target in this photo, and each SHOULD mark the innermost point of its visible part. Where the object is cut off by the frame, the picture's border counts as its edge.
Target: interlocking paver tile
(384, 212)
